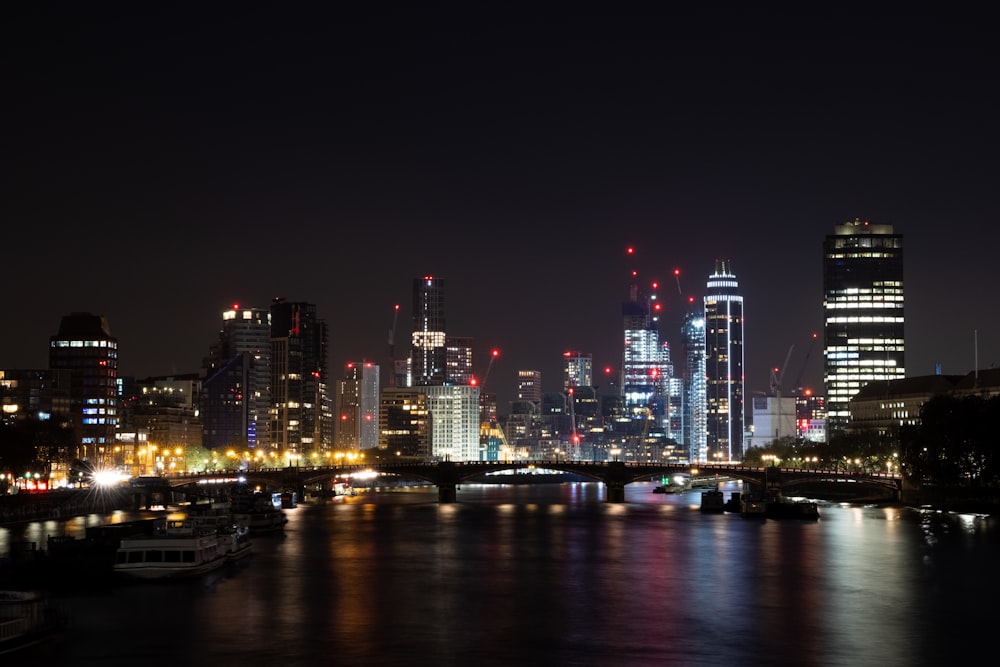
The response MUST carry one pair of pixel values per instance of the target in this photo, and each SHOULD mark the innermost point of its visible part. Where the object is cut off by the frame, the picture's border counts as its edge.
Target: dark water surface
(553, 575)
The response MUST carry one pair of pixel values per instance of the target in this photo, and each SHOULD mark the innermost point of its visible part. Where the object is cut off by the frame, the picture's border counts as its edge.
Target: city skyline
(163, 169)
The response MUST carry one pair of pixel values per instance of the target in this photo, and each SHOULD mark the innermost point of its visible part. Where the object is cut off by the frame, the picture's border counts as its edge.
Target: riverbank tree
(955, 442)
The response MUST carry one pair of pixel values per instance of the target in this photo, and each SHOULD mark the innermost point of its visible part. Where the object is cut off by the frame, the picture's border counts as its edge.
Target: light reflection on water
(551, 574)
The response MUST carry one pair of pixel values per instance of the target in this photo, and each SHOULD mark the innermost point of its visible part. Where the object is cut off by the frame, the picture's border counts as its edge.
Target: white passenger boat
(179, 551)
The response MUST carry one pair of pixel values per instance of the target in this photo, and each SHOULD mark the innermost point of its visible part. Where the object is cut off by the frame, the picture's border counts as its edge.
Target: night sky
(163, 162)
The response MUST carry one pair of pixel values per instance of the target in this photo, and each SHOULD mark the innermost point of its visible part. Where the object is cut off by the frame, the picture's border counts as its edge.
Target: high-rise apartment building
(301, 413)
(529, 386)
(454, 421)
(442, 369)
(404, 422)
(578, 369)
(693, 436)
(724, 380)
(85, 347)
(863, 312)
(429, 341)
(357, 407)
(236, 391)
(458, 360)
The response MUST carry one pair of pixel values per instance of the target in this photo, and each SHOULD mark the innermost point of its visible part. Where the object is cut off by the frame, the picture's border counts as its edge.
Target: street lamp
(615, 451)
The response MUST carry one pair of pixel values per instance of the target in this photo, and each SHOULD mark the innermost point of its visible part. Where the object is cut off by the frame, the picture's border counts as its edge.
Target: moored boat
(753, 506)
(179, 551)
(782, 508)
(712, 500)
(26, 621)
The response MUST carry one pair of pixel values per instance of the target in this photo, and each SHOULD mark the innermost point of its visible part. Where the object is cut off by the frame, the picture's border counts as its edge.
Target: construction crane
(778, 374)
(494, 353)
(797, 387)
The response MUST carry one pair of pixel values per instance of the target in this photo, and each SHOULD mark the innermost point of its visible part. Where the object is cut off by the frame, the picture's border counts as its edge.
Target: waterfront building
(724, 379)
(357, 407)
(578, 369)
(454, 421)
(863, 312)
(404, 426)
(693, 428)
(167, 409)
(301, 412)
(236, 390)
(85, 347)
(773, 420)
(39, 394)
(886, 405)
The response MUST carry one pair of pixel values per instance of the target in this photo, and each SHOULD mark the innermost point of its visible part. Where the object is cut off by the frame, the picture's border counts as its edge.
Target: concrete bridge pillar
(614, 482)
(447, 493)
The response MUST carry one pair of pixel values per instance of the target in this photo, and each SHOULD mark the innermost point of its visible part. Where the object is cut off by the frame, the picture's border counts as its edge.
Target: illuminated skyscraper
(863, 312)
(693, 430)
(236, 390)
(724, 381)
(453, 404)
(578, 369)
(643, 380)
(357, 407)
(85, 347)
(529, 386)
(301, 414)
(429, 348)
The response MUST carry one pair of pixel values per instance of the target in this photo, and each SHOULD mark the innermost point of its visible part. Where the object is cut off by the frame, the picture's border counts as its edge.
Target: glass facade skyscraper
(643, 379)
(724, 381)
(863, 312)
(693, 428)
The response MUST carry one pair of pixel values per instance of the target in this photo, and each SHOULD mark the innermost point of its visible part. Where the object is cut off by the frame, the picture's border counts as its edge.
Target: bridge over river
(449, 475)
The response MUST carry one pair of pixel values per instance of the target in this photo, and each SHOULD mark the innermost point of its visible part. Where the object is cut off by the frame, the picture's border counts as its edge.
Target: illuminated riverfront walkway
(449, 475)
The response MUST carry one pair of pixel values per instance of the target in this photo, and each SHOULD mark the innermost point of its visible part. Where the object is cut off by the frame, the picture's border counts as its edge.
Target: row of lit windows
(85, 343)
(871, 302)
(855, 363)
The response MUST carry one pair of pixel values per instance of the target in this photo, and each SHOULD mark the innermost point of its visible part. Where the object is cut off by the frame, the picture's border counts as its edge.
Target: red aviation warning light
(630, 250)
(607, 370)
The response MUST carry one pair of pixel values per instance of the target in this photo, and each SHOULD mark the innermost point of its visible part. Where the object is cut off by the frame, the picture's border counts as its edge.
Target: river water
(553, 575)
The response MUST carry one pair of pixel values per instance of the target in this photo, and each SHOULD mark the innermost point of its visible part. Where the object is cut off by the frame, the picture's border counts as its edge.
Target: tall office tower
(458, 359)
(863, 312)
(643, 380)
(578, 369)
(693, 436)
(529, 386)
(301, 415)
(429, 348)
(357, 407)
(724, 381)
(236, 390)
(404, 422)
(85, 347)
